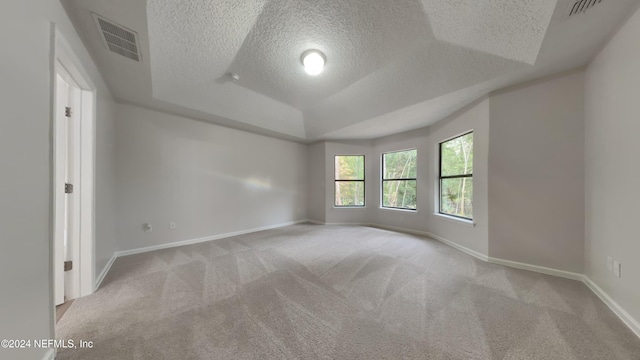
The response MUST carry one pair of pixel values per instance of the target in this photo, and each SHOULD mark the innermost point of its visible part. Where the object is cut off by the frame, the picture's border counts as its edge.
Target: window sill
(456, 219)
(398, 209)
(349, 207)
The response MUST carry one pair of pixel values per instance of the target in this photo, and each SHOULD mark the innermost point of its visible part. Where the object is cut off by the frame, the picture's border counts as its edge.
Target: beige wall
(472, 236)
(474, 117)
(355, 215)
(26, 303)
(316, 207)
(105, 217)
(528, 175)
(612, 171)
(407, 219)
(535, 144)
(209, 179)
(536, 171)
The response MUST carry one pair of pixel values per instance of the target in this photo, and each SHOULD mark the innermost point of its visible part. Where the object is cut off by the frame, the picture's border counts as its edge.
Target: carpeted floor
(337, 292)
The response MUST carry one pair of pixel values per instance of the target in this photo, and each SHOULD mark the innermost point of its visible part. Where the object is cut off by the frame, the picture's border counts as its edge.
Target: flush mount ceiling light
(313, 61)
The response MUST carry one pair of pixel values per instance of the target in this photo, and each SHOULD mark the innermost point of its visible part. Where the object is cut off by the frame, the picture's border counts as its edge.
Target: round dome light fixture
(234, 76)
(313, 61)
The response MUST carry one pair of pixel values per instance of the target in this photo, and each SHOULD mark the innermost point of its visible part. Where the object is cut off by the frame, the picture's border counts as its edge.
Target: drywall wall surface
(612, 171)
(474, 117)
(413, 220)
(317, 183)
(208, 179)
(536, 173)
(26, 305)
(348, 215)
(105, 191)
(104, 169)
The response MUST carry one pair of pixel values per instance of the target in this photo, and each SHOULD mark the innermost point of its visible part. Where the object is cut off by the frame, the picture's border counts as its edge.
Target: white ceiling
(391, 65)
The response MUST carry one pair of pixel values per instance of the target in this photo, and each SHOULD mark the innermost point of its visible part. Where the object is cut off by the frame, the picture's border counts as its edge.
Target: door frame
(63, 55)
(66, 170)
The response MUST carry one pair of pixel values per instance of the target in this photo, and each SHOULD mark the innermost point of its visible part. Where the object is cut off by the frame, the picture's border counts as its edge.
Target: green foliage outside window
(349, 180)
(399, 185)
(456, 176)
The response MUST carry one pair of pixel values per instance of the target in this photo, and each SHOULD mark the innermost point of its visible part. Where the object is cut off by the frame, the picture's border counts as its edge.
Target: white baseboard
(457, 246)
(203, 239)
(49, 355)
(536, 268)
(348, 224)
(483, 257)
(104, 272)
(626, 318)
(632, 323)
(118, 254)
(454, 245)
(316, 222)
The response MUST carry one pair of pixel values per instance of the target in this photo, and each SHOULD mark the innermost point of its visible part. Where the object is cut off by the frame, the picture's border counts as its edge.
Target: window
(399, 171)
(456, 176)
(349, 180)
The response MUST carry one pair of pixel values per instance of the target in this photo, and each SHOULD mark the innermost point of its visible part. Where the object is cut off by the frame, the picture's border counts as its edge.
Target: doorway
(67, 186)
(73, 127)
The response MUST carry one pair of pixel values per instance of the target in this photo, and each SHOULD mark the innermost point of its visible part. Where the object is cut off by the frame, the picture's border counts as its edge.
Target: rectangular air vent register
(580, 6)
(118, 39)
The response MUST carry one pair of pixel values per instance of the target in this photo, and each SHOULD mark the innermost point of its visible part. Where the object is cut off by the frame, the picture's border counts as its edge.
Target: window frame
(440, 177)
(364, 183)
(382, 180)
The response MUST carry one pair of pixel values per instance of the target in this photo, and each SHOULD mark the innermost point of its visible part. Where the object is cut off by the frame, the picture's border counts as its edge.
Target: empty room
(320, 179)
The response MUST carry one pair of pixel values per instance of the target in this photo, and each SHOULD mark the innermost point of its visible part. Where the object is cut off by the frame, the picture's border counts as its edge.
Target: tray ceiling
(391, 65)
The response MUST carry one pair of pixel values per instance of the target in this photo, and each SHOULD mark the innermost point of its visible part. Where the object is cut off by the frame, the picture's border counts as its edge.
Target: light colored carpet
(337, 292)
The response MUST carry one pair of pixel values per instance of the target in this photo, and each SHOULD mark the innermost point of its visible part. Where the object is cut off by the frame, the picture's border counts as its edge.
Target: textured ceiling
(263, 43)
(510, 29)
(194, 42)
(358, 38)
(391, 65)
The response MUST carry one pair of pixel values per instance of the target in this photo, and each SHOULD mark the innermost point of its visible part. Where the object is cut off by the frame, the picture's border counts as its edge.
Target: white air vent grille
(581, 6)
(118, 39)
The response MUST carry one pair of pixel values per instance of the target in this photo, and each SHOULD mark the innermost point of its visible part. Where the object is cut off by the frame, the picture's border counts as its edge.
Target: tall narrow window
(456, 176)
(399, 185)
(349, 181)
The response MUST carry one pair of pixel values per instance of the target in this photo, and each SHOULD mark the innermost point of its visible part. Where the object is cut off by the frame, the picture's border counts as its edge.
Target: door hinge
(68, 188)
(68, 265)
(67, 112)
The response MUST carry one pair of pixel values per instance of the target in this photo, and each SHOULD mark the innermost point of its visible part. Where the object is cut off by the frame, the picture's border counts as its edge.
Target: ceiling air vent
(581, 6)
(118, 39)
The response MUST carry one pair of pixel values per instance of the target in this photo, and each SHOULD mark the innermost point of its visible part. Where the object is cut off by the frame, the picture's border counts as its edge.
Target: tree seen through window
(399, 185)
(349, 180)
(456, 176)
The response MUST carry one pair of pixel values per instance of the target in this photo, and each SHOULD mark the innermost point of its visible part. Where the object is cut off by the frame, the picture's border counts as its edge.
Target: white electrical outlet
(147, 227)
(172, 225)
(617, 268)
(609, 263)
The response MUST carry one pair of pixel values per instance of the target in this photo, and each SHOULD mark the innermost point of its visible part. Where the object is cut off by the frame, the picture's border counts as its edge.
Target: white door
(66, 184)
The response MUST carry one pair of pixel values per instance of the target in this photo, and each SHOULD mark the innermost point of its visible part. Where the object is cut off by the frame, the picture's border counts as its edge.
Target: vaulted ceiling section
(391, 65)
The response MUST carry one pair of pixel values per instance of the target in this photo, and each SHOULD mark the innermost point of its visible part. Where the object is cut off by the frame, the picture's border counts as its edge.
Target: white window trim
(399, 209)
(456, 219)
(364, 181)
(469, 222)
(381, 158)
